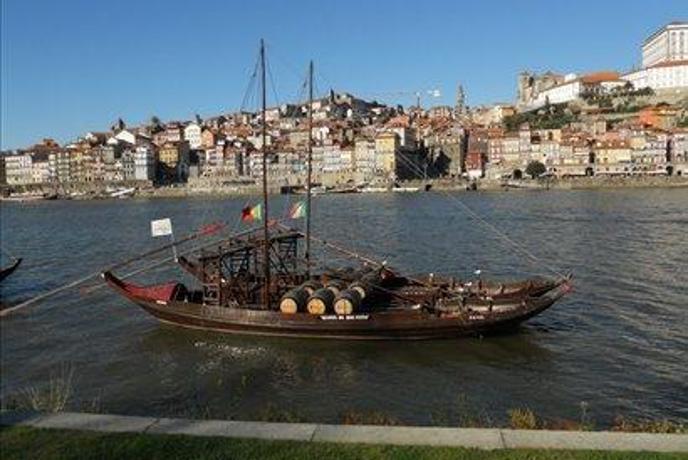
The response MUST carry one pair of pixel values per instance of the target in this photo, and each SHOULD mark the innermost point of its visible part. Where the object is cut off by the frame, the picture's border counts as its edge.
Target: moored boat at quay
(406, 312)
(263, 282)
(28, 197)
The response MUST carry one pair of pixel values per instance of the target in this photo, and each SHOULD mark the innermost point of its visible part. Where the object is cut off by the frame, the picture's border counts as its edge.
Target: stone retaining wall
(488, 438)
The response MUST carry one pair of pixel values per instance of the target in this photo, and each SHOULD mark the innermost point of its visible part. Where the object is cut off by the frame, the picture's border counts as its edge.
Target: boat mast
(266, 245)
(310, 167)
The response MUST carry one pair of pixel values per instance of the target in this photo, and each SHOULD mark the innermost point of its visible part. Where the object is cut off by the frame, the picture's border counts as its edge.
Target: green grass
(32, 443)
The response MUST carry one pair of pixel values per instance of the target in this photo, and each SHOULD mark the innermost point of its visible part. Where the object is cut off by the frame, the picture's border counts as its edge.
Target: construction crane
(432, 93)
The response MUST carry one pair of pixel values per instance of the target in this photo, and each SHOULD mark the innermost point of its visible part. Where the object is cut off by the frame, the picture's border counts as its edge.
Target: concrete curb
(488, 438)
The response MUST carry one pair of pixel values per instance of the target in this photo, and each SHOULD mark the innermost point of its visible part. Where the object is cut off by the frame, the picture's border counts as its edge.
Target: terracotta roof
(598, 77)
(400, 121)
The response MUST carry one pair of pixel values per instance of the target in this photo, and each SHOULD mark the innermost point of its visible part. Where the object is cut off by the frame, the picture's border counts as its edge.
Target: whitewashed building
(332, 159)
(128, 165)
(664, 77)
(574, 87)
(144, 163)
(61, 166)
(364, 158)
(215, 157)
(192, 134)
(126, 136)
(668, 44)
(664, 61)
(18, 169)
(40, 172)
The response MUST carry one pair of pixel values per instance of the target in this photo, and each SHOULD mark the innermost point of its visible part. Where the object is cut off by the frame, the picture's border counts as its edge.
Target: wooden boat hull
(5, 272)
(389, 324)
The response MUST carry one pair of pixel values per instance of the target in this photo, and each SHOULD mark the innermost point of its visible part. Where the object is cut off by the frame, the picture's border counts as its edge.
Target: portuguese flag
(298, 210)
(251, 214)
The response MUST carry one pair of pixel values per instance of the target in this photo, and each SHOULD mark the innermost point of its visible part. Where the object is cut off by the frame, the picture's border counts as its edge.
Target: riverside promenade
(481, 438)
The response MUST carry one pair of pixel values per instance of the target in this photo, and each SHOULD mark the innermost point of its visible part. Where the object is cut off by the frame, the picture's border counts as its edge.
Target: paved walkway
(488, 438)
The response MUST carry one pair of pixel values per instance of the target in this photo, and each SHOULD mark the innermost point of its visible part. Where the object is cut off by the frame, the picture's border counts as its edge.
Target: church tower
(460, 108)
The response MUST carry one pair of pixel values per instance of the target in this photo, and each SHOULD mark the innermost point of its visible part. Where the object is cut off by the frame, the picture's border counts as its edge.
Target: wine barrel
(336, 286)
(320, 301)
(294, 300)
(367, 283)
(311, 286)
(347, 302)
(360, 288)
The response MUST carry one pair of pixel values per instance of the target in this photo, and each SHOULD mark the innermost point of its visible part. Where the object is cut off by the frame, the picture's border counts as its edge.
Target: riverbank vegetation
(24, 442)
(58, 394)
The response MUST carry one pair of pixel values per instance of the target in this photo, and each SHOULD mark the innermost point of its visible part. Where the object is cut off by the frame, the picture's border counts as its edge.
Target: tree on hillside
(119, 125)
(535, 169)
(155, 124)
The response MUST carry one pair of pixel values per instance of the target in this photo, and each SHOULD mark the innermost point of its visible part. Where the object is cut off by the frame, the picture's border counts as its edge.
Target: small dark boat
(261, 282)
(5, 272)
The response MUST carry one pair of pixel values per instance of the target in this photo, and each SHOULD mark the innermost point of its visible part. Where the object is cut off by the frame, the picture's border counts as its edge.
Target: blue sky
(71, 66)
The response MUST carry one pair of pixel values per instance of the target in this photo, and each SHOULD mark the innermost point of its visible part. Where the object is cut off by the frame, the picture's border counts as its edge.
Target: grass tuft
(272, 413)
(523, 419)
(629, 425)
(51, 398)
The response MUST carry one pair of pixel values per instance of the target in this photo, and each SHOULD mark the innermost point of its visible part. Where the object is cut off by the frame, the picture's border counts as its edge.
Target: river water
(617, 344)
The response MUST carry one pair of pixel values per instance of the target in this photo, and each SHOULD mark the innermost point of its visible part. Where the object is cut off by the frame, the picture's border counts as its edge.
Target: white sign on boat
(161, 227)
(344, 317)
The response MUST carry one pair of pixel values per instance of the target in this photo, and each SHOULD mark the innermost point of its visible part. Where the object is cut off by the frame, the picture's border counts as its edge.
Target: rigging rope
(518, 247)
(250, 87)
(272, 83)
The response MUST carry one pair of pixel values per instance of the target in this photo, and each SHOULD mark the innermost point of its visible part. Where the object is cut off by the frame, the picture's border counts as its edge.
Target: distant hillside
(609, 106)
(548, 117)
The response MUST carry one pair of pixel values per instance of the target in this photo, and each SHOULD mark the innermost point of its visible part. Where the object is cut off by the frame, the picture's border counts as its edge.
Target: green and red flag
(298, 210)
(252, 214)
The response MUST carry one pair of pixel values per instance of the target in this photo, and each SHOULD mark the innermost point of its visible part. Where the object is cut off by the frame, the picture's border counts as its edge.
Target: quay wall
(200, 189)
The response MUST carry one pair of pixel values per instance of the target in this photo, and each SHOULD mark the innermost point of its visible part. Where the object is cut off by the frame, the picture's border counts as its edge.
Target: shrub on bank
(523, 419)
(630, 425)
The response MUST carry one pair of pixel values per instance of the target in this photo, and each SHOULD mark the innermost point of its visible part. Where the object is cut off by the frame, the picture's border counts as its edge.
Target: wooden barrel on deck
(347, 302)
(320, 301)
(336, 286)
(367, 283)
(294, 300)
(360, 288)
(311, 286)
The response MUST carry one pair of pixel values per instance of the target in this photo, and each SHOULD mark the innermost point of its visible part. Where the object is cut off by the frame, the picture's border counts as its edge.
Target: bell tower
(460, 108)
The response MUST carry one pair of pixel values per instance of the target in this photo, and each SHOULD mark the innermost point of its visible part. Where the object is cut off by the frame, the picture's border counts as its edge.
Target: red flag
(211, 229)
